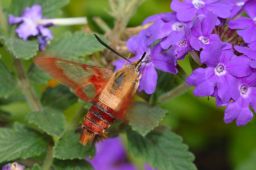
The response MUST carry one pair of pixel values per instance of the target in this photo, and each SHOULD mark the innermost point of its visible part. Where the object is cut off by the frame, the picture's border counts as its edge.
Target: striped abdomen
(96, 121)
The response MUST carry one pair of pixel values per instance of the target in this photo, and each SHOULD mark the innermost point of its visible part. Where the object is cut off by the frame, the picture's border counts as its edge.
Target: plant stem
(48, 159)
(182, 88)
(3, 23)
(26, 88)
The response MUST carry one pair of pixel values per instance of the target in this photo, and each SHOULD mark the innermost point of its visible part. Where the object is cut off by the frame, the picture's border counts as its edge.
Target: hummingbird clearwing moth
(110, 93)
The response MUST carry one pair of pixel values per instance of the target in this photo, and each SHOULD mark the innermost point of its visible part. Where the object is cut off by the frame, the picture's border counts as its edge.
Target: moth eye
(90, 90)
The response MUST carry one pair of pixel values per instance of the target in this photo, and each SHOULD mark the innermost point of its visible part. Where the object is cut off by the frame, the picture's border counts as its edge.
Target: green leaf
(37, 75)
(59, 97)
(50, 8)
(71, 165)
(69, 148)
(74, 45)
(49, 120)
(162, 149)
(19, 48)
(20, 143)
(35, 167)
(248, 164)
(7, 80)
(143, 118)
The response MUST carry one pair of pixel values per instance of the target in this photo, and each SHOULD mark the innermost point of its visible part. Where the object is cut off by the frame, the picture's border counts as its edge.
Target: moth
(110, 93)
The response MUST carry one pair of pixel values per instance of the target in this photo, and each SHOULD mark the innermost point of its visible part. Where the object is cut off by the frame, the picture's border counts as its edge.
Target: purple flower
(165, 42)
(219, 78)
(13, 166)
(29, 25)
(111, 154)
(32, 24)
(239, 109)
(246, 26)
(201, 33)
(187, 10)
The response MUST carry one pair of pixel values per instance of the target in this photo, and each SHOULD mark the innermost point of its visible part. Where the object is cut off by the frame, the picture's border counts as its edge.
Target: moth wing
(86, 81)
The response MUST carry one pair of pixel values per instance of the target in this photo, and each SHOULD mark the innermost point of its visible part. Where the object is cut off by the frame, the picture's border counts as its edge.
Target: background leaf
(72, 165)
(248, 164)
(50, 7)
(21, 49)
(161, 148)
(59, 97)
(20, 143)
(74, 45)
(8, 83)
(143, 118)
(49, 120)
(69, 148)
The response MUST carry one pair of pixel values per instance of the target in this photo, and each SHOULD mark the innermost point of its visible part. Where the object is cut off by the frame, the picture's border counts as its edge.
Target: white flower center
(244, 90)
(239, 4)
(178, 26)
(220, 69)
(198, 4)
(204, 40)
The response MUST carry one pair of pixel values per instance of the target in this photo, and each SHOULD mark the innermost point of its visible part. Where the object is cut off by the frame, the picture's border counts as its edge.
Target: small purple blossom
(111, 154)
(29, 25)
(220, 77)
(246, 26)
(239, 109)
(13, 166)
(188, 10)
(201, 32)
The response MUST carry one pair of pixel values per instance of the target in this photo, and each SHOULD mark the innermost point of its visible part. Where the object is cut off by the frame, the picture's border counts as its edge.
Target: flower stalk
(26, 87)
(63, 21)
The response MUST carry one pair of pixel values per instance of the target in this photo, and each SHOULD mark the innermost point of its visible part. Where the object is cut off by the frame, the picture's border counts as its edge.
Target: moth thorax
(121, 85)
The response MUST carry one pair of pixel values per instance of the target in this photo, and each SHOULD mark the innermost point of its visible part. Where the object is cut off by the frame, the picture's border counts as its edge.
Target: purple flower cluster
(221, 34)
(29, 25)
(111, 154)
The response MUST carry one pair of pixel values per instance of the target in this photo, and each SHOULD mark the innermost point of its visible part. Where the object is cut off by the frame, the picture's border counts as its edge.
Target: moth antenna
(141, 59)
(111, 49)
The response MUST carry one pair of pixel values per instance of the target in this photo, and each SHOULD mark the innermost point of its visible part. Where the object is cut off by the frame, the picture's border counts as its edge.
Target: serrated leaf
(162, 149)
(7, 80)
(49, 120)
(59, 97)
(74, 45)
(69, 148)
(20, 143)
(21, 49)
(72, 165)
(143, 118)
(50, 8)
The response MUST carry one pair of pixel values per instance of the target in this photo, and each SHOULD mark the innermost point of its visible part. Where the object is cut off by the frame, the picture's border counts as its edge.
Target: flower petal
(244, 117)
(250, 9)
(232, 111)
(27, 29)
(14, 20)
(239, 67)
(240, 23)
(148, 79)
(164, 60)
(205, 88)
